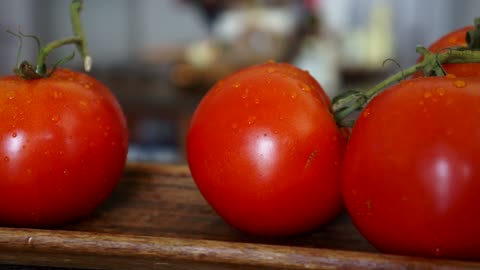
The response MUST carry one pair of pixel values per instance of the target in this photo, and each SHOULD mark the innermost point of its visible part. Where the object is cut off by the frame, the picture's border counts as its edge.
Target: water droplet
(336, 163)
(83, 103)
(427, 94)
(281, 117)
(114, 143)
(234, 125)
(236, 85)
(293, 95)
(270, 70)
(440, 91)
(10, 95)
(438, 251)
(251, 120)
(66, 172)
(61, 153)
(245, 93)
(421, 103)
(29, 101)
(257, 101)
(460, 83)
(46, 153)
(55, 118)
(366, 113)
(14, 134)
(305, 87)
(451, 76)
(275, 131)
(57, 94)
(6, 159)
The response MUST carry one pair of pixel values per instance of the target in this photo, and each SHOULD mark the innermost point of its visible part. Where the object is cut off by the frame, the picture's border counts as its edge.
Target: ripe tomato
(63, 145)
(455, 39)
(411, 172)
(264, 151)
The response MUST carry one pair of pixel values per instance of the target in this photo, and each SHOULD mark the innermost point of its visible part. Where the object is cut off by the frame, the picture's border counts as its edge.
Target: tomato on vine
(265, 152)
(63, 140)
(411, 171)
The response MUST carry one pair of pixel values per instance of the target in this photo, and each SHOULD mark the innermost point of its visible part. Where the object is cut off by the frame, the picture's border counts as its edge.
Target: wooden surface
(157, 219)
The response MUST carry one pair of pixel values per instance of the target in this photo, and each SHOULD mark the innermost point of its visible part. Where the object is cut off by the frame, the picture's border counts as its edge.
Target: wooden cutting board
(157, 219)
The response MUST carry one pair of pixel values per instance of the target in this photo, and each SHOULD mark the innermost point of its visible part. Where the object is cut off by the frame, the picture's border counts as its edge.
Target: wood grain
(157, 219)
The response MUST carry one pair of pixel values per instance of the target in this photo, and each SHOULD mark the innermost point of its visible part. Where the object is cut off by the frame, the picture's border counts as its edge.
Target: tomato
(265, 152)
(411, 171)
(455, 38)
(63, 145)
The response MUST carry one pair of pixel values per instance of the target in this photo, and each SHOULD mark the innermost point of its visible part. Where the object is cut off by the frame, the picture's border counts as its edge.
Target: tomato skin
(411, 172)
(63, 146)
(265, 151)
(455, 38)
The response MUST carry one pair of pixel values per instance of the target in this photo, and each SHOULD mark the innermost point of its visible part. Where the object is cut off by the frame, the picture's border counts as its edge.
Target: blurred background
(160, 56)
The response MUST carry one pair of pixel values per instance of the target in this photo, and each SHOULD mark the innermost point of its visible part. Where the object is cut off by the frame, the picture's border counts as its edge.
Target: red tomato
(63, 145)
(411, 172)
(455, 39)
(264, 151)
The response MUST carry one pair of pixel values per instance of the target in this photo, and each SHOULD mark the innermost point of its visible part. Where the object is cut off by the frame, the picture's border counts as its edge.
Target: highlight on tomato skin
(63, 147)
(265, 152)
(411, 171)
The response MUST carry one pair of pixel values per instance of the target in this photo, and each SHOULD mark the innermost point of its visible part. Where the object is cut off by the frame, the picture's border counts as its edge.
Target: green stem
(345, 105)
(78, 39)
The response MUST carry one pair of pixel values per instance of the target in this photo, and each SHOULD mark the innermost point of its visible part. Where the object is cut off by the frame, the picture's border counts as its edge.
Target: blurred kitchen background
(160, 56)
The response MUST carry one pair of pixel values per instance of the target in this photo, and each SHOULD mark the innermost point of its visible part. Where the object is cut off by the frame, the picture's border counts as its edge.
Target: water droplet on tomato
(421, 103)
(14, 134)
(46, 153)
(57, 94)
(10, 95)
(305, 87)
(257, 101)
(438, 251)
(440, 91)
(451, 76)
(234, 125)
(251, 120)
(366, 113)
(293, 95)
(236, 85)
(427, 94)
(55, 118)
(6, 159)
(460, 83)
(66, 172)
(114, 143)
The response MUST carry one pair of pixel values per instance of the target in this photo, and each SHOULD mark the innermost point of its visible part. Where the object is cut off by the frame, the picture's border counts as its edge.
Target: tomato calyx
(345, 104)
(29, 72)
